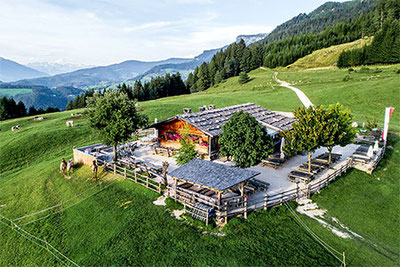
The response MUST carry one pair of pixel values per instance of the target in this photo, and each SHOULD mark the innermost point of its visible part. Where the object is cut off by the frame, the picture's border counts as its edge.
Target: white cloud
(35, 30)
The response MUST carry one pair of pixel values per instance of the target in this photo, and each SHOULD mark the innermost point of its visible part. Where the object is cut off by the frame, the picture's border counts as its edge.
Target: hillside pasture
(367, 92)
(14, 91)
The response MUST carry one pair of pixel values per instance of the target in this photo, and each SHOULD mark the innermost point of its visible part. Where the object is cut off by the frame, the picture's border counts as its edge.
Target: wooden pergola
(209, 183)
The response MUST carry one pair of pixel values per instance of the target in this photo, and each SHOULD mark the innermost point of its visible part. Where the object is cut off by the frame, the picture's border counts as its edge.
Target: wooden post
(245, 209)
(159, 188)
(297, 190)
(147, 181)
(207, 214)
(265, 201)
(176, 185)
(281, 198)
(115, 169)
(344, 260)
(135, 177)
(125, 173)
(309, 191)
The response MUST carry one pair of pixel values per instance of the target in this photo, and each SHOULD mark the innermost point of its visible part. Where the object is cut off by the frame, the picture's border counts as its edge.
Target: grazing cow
(63, 167)
(70, 167)
(14, 128)
(70, 123)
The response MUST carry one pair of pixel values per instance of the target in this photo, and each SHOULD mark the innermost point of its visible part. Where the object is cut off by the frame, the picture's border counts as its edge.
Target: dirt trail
(303, 98)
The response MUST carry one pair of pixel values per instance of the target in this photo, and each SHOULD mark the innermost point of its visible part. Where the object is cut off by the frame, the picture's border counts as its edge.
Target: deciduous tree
(114, 117)
(245, 140)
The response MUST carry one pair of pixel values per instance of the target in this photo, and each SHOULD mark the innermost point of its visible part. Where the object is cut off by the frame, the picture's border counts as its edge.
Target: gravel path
(303, 98)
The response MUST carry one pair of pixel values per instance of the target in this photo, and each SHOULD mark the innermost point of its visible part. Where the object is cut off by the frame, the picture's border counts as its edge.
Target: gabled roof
(211, 121)
(213, 175)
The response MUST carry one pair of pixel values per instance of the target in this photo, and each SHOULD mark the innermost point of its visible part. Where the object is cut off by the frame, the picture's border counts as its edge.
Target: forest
(9, 109)
(383, 22)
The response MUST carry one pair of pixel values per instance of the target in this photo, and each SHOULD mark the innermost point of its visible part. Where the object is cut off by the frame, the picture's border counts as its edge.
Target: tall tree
(114, 117)
(306, 132)
(243, 139)
(338, 129)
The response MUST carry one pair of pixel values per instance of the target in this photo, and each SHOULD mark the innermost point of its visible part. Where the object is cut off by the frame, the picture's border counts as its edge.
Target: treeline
(385, 48)
(239, 58)
(161, 86)
(80, 100)
(9, 109)
(235, 59)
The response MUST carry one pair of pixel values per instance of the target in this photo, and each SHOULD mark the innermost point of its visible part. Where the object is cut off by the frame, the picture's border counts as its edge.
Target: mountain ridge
(13, 71)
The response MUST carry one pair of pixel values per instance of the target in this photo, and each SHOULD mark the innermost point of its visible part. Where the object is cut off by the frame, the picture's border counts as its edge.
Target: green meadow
(115, 222)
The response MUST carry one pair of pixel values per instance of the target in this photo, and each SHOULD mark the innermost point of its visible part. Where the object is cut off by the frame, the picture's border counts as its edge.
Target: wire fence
(38, 241)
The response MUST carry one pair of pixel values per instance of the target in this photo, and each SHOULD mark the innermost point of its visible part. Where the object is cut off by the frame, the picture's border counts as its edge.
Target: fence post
(147, 181)
(297, 190)
(245, 209)
(135, 177)
(115, 169)
(125, 173)
(281, 198)
(265, 201)
(309, 191)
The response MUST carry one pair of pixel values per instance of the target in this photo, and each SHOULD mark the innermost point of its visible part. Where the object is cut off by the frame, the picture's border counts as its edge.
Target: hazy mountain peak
(13, 71)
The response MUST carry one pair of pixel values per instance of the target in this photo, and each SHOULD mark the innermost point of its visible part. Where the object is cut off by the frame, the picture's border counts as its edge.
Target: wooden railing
(133, 175)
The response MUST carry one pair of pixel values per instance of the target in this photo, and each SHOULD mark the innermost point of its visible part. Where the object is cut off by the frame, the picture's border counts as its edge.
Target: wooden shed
(210, 184)
(205, 126)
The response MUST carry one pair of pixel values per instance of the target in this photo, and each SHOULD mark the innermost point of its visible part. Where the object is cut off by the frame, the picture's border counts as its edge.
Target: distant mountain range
(56, 68)
(13, 71)
(187, 67)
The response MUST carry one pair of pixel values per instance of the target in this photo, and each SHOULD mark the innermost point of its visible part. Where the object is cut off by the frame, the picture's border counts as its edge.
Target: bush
(377, 70)
(243, 77)
(186, 153)
(346, 78)
(371, 123)
(398, 71)
(351, 69)
(364, 70)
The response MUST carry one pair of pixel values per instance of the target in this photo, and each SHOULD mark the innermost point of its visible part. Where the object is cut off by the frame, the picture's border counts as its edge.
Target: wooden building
(210, 188)
(204, 127)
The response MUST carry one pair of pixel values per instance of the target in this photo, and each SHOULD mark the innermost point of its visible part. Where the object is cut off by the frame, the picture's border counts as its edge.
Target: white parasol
(370, 153)
(282, 145)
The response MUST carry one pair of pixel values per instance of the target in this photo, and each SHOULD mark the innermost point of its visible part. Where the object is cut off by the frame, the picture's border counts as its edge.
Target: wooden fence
(133, 175)
(269, 201)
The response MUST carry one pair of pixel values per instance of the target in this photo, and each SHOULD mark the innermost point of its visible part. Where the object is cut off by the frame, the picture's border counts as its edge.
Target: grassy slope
(100, 231)
(328, 56)
(369, 205)
(261, 90)
(366, 94)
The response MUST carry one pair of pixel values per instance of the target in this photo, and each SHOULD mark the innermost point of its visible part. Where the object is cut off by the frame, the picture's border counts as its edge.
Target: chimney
(187, 110)
(211, 107)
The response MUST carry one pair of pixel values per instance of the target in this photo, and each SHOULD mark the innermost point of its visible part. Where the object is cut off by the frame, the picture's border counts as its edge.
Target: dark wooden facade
(170, 134)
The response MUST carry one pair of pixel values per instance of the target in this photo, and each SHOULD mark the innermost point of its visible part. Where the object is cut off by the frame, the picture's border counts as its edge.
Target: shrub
(243, 77)
(346, 78)
(186, 153)
(371, 123)
(377, 70)
(398, 71)
(351, 69)
(364, 70)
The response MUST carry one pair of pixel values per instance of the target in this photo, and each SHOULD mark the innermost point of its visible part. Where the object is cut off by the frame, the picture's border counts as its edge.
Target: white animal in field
(70, 167)
(70, 123)
(14, 128)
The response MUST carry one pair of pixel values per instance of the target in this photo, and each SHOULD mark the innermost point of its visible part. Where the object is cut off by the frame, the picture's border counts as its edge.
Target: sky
(102, 32)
